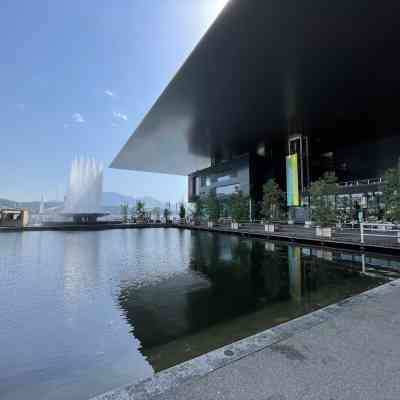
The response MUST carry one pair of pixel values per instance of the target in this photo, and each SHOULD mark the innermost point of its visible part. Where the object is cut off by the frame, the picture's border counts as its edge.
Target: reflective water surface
(84, 312)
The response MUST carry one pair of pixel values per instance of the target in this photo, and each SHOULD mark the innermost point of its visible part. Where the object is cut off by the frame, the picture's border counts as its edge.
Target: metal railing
(359, 182)
(381, 228)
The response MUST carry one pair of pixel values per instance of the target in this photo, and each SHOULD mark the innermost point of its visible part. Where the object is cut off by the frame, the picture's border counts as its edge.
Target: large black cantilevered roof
(264, 61)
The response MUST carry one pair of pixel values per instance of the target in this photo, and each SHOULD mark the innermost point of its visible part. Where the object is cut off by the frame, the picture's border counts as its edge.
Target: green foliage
(322, 195)
(239, 206)
(213, 207)
(200, 208)
(391, 194)
(271, 204)
(124, 212)
(167, 213)
(140, 212)
(182, 211)
(224, 207)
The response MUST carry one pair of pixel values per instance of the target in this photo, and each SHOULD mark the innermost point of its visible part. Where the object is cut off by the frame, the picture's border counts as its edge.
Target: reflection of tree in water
(219, 285)
(240, 273)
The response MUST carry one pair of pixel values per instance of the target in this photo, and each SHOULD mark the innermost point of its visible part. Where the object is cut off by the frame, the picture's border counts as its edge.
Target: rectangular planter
(270, 228)
(323, 232)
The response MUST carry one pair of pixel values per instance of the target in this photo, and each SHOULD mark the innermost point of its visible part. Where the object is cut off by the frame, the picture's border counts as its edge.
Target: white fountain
(85, 189)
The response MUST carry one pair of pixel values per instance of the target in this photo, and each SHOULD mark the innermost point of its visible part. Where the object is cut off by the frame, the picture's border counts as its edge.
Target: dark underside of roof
(332, 66)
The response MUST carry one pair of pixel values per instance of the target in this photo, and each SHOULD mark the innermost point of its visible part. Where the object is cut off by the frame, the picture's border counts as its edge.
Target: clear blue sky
(77, 77)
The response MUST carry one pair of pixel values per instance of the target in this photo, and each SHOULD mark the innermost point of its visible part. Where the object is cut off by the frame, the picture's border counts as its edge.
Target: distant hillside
(6, 203)
(31, 205)
(111, 201)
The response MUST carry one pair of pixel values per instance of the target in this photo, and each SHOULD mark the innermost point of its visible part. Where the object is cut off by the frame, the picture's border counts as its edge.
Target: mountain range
(110, 200)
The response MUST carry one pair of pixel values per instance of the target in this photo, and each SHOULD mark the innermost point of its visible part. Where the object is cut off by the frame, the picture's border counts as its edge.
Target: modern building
(286, 89)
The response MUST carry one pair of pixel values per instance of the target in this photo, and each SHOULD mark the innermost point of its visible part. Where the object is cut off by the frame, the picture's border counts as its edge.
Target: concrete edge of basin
(209, 362)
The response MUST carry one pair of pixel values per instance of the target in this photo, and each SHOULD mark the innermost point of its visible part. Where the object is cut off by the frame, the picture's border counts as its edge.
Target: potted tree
(124, 212)
(213, 208)
(199, 210)
(322, 196)
(140, 212)
(391, 196)
(182, 213)
(307, 217)
(239, 205)
(271, 204)
(167, 213)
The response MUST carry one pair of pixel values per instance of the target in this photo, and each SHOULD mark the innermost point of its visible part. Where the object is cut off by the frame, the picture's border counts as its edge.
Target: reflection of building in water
(227, 277)
(350, 259)
(160, 312)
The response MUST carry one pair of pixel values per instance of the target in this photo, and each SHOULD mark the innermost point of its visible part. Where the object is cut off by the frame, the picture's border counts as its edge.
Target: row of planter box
(319, 231)
(271, 228)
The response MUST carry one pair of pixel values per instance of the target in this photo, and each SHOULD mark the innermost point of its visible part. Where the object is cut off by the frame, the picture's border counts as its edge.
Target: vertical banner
(292, 180)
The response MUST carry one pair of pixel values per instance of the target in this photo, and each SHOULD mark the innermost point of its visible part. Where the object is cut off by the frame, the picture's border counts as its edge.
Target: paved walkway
(383, 241)
(347, 351)
(376, 241)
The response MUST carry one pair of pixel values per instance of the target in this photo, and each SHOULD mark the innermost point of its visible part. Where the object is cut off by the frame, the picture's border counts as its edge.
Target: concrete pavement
(347, 351)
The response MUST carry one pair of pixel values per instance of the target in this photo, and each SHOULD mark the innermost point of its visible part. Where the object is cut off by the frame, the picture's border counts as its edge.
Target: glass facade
(223, 179)
(227, 190)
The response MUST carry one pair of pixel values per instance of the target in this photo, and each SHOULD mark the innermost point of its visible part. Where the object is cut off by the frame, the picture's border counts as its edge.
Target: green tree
(272, 200)
(167, 213)
(391, 194)
(322, 197)
(239, 206)
(124, 212)
(199, 211)
(213, 207)
(140, 211)
(182, 211)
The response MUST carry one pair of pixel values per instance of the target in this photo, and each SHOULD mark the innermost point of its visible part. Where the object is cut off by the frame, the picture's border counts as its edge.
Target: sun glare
(213, 8)
(219, 6)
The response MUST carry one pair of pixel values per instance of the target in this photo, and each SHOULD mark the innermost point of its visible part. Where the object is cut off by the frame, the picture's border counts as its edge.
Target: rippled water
(84, 312)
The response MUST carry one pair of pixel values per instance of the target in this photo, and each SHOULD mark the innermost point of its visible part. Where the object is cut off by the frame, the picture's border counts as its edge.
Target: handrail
(359, 182)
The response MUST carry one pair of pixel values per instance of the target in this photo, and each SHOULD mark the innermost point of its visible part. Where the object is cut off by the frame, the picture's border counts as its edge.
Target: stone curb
(200, 366)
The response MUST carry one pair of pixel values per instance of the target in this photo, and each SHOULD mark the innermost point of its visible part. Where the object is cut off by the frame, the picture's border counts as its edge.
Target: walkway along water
(345, 351)
(373, 240)
(350, 238)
